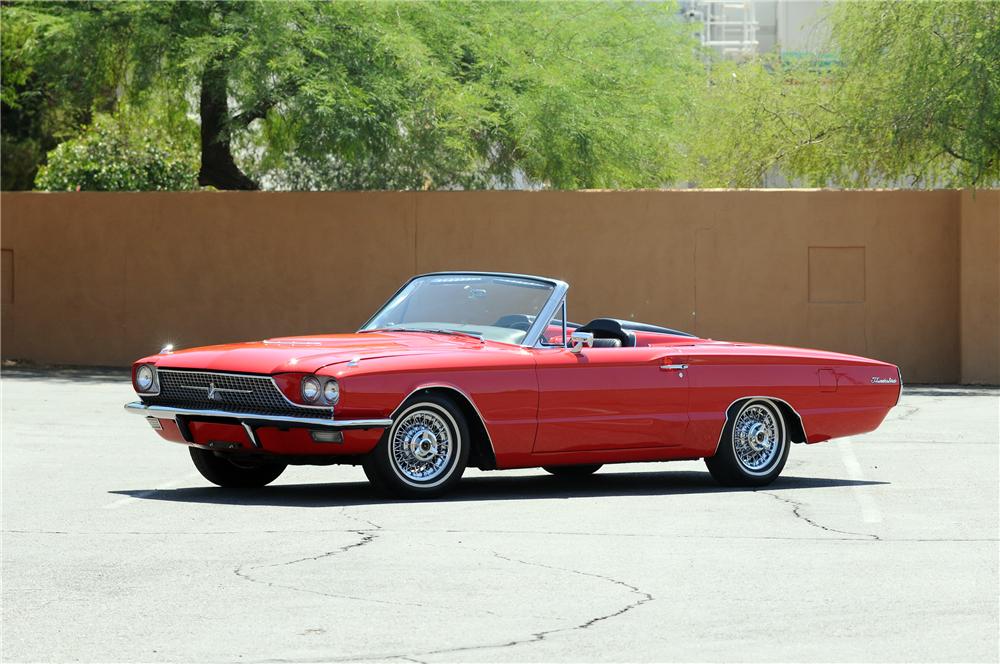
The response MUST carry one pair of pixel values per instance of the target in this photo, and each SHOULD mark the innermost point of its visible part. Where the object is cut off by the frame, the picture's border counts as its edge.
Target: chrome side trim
(431, 386)
(770, 400)
(263, 419)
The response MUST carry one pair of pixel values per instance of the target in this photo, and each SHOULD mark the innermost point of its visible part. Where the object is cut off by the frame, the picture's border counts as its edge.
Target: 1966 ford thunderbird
(483, 369)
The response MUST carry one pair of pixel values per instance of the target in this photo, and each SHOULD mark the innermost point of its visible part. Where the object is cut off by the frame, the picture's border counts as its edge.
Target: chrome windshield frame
(548, 310)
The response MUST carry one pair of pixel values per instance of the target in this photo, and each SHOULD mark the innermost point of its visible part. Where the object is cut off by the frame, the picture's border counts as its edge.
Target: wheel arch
(793, 421)
(481, 452)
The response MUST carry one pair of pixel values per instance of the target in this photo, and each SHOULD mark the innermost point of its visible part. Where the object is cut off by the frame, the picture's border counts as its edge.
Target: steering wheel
(520, 322)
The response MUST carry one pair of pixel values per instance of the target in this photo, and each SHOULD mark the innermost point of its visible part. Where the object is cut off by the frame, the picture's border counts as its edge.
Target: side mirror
(579, 340)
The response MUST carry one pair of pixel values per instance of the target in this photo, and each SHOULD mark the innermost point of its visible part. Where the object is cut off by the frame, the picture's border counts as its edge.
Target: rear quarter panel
(833, 394)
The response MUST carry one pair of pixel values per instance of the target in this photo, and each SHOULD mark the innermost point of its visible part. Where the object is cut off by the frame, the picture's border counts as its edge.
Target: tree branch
(954, 153)
(258, 112)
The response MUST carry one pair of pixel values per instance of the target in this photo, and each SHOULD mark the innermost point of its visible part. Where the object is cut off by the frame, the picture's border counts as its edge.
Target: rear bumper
(254, 419)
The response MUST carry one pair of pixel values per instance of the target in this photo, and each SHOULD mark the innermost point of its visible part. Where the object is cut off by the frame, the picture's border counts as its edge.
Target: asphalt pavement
(882, 547)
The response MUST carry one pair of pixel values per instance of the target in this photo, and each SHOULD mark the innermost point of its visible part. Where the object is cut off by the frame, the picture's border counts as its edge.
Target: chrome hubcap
(756, 438)
(422, 446)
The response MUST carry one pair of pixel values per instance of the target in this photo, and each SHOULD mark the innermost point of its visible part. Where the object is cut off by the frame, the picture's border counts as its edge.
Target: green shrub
(114, 155)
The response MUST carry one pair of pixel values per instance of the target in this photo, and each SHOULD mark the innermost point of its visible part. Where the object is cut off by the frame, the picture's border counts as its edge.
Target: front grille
(242, 393)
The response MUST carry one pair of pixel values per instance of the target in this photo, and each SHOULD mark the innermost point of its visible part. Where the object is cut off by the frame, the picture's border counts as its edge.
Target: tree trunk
(218, 169)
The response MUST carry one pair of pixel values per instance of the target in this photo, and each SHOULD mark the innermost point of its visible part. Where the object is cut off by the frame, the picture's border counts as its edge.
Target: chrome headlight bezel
(319, 391)
(331, 391)
(315, 389)
(143, 387)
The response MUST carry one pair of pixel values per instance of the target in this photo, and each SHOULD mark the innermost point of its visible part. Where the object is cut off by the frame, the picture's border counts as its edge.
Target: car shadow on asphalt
(511, 487)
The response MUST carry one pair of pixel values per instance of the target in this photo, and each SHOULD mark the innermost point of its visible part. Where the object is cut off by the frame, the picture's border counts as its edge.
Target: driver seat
(609, 328)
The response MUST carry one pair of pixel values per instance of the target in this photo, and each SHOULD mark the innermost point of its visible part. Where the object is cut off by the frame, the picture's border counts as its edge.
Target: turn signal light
(328, 436)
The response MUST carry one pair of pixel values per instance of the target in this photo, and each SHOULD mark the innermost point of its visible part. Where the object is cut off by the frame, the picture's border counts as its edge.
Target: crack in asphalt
(905, 413)
(644, 596)
(796, 510)
(366, 535)
(535, 637)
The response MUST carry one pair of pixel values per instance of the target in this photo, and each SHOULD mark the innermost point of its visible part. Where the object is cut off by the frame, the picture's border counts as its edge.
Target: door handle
(673, 367)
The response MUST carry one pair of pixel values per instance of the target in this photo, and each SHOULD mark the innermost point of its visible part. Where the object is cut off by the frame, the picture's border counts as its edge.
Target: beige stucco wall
(95, 278)
(980, 277)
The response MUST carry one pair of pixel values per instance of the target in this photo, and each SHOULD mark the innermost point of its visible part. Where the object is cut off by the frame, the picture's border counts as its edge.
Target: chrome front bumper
(252, 419)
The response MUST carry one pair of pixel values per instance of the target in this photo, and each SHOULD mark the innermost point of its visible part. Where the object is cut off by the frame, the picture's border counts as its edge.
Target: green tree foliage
(385, 94)
(128, 152)
(914, 101)
(756, 118)
(34, 116)
(450, 94)
(920, 92)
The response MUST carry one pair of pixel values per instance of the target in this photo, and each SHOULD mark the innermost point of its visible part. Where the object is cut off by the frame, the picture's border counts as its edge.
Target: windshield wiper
(431, 330)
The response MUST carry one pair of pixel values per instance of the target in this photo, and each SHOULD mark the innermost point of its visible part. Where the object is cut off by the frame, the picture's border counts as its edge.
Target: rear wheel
(754, 446)
(232, 472)
(424, 452)
(572, 472)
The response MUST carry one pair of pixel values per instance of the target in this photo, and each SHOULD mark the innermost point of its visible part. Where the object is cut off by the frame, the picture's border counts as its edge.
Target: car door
(610, 399)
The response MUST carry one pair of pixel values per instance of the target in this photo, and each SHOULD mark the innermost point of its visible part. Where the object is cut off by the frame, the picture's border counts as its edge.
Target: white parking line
(173, 484)
(869, 512)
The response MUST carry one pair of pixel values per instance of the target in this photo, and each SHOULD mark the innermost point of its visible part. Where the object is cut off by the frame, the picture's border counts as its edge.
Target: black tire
(234, 474)
(370, 474)
(432, 416)
(573, 472)
(750, 426)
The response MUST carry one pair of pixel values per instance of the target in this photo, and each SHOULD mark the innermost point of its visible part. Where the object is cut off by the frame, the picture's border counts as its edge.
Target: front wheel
(754, 446)
(424, 452)
(234, 473)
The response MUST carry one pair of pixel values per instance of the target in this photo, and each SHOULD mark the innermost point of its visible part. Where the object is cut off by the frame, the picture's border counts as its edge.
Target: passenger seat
(609, 329)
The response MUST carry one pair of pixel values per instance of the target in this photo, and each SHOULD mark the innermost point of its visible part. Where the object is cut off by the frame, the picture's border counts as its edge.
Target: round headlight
(144, 378)
(331, 392)
(310, 389)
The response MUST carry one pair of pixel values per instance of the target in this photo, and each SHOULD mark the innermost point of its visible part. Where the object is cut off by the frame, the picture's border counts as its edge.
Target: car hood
(310, 353)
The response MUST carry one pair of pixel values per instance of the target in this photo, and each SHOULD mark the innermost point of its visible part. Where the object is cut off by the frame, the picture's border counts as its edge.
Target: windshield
(493, 307)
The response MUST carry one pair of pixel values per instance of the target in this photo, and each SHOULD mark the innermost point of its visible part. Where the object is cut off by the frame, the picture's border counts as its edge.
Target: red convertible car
(483, 369)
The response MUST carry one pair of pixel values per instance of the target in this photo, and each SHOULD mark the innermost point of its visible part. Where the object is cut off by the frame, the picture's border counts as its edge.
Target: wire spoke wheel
(424, 452)
(757, 438)
(753, 445)
(422, 446)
